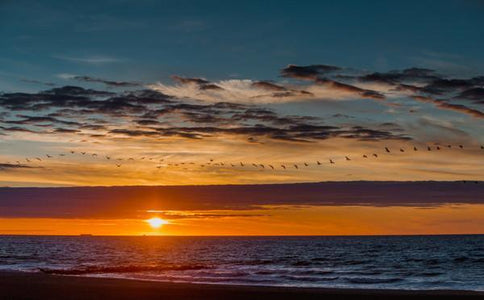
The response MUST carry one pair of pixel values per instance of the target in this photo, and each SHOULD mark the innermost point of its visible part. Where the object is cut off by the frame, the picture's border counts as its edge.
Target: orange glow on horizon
(272, 220)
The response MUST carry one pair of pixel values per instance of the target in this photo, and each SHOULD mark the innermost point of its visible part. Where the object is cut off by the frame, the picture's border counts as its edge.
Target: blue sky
(150, 40)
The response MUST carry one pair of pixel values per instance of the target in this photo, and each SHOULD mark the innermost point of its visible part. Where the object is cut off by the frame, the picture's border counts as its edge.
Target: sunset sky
(145, 93)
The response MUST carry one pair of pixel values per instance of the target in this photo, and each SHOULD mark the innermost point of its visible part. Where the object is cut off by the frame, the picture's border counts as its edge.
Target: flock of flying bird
(118, 162)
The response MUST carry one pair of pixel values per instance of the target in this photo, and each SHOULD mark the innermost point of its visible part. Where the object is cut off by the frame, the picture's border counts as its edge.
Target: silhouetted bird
(318, 162)
(295, 166)
(460, 146)
(72, 152)
(375, 155)
(108, 157)
(402, 150)
(415, 148)
(347, 158)
(117, 165)
(38, 158)
(262, 166)
(364, 156)
(271, 166)
(48, 156)
(428, 148)
(241, 164)
(83, 153)
(387, 150)
(94, 154)
(438, 148)
(331, 161)
(449, 146)
(254, 165)
(283, 166)
(306, 164)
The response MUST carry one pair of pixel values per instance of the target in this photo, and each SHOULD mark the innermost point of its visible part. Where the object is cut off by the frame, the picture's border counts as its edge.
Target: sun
(156, 222)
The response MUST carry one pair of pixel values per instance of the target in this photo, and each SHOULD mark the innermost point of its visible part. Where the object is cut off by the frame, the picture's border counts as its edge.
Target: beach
(19, 285)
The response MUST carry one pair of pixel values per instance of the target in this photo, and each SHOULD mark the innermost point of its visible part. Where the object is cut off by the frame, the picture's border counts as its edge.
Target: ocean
(385, 262)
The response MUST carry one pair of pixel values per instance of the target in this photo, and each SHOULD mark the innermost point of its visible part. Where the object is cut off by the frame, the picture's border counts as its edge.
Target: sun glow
(156, 222)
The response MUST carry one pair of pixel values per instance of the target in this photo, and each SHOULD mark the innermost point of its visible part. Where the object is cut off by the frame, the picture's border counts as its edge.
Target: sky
(144, 93)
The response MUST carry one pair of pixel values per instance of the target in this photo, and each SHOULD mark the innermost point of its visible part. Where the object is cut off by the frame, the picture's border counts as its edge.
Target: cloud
(107, 82)
(311, 72)
(128, 202)
(8, 166)
(94, 60)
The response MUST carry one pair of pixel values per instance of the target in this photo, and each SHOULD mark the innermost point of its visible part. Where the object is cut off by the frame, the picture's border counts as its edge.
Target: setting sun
(156, 222)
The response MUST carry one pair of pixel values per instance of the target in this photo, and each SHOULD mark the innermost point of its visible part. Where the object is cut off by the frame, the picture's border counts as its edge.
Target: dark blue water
(417, 262)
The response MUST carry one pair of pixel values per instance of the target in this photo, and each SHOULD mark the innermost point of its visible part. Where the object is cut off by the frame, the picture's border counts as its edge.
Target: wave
(372, 280)
(120, 269)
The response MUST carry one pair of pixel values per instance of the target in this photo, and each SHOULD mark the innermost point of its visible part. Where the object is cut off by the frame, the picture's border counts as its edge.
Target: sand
(17, 285)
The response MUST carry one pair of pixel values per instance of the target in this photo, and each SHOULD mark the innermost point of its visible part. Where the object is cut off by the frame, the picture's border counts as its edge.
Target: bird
(108, 157)
(449, 146)
(254, 165)
(283, 166)
(460, 146)
(482, 147)
(118, 165)
(375, 155)
(331, 161)
(271, 166)
(38, 158)
(48, 156)
(211, 159)
(241, 164)
(295, 166)
(94, 154)
(438, 148)
(364, 156)
(72, 152)
(387, 150)
(232, 165)
(262, 166)
(83, 153)
(142, 158)
(428, 148)
(318, 162)
(347, 158)
(158, 167)
(415, 148)
(402, 150)
(306, 164)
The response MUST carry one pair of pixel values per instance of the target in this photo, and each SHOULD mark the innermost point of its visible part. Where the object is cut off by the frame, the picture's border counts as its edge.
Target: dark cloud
(202, 84)
(8, 166)
(133, 202)
(311, 72)
(350, 88)
(449, 106)
(107, 82)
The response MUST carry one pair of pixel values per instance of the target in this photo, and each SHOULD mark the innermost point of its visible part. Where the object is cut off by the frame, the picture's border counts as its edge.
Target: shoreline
(23, 285)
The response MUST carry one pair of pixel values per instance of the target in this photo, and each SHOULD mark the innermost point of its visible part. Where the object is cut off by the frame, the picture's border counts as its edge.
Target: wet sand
(17, 285)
